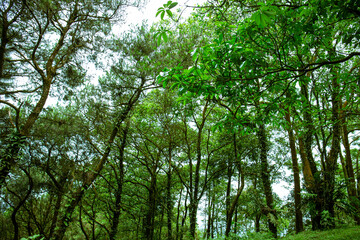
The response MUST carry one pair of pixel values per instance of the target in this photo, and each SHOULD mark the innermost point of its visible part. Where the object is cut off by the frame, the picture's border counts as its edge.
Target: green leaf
(169, 13)
(221, 37)
(172, 5)
(162, 15)
(195, 54)
(269, 13)
(257, 18)
(174, 85)
(164, 36)
(160, 10)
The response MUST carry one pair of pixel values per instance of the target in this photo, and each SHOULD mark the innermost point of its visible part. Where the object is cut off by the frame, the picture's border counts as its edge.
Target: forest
(179, 129)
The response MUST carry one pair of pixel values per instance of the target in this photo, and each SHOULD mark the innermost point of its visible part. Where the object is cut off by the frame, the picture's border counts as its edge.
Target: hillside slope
(349, 233)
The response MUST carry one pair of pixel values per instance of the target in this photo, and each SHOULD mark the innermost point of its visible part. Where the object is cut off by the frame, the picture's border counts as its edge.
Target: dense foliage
(186, 126)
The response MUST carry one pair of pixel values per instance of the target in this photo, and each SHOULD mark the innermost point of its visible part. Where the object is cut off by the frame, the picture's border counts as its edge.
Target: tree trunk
(192, 214)
(349, 170)
(265, 177)
(194, 199)
(232, 207)
(236, 219)
(150, 216)
(169, 206)
(169, 203)
(311, 185)
(184, 217)
(331, 162)
(257, 222)
(297, 185)
(119, 185)
(358, 175)
(56, 213)
(208, 230)
(178, 215)
(311, 175)
(228, 200)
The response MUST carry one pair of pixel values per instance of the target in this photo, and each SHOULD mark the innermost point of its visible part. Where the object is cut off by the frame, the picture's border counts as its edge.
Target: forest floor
(346, 233)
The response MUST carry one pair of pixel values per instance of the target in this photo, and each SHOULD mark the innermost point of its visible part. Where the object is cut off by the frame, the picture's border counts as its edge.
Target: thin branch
(10, 105)
(20, 91)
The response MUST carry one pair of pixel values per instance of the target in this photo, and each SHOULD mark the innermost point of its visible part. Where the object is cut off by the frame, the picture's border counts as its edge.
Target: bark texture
(269, 211)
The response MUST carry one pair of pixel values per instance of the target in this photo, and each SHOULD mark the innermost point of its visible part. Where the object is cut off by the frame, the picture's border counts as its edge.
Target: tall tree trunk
(348, 168)
(311, 175)
(228, 196)
(169, 203)
(192, 214)
(297, 185)
(257, 222)
(212, 218)
(178, 214)
(184, 217)
(331, 161)
(59, 198)
(358, 174)
(119, 185)
(233, 205)
(150, 216)
(209, 207)
(236, 219)
(194, 199)
(265, 177)
(311, 185)
(258, 213)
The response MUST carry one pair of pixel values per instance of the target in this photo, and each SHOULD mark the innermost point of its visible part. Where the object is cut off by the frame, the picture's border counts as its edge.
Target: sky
(148, 12)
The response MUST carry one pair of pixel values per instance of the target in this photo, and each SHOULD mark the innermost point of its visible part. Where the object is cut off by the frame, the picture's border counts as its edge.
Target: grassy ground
(349, 233)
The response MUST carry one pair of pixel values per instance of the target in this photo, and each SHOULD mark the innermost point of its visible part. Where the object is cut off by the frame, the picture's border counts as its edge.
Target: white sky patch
(148, 12)
(282, 189)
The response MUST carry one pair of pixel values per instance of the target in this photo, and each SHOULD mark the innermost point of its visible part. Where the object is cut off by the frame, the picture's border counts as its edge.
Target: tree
(43, 39)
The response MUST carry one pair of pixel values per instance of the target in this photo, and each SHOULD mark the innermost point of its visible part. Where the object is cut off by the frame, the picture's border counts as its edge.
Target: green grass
(348, 233)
